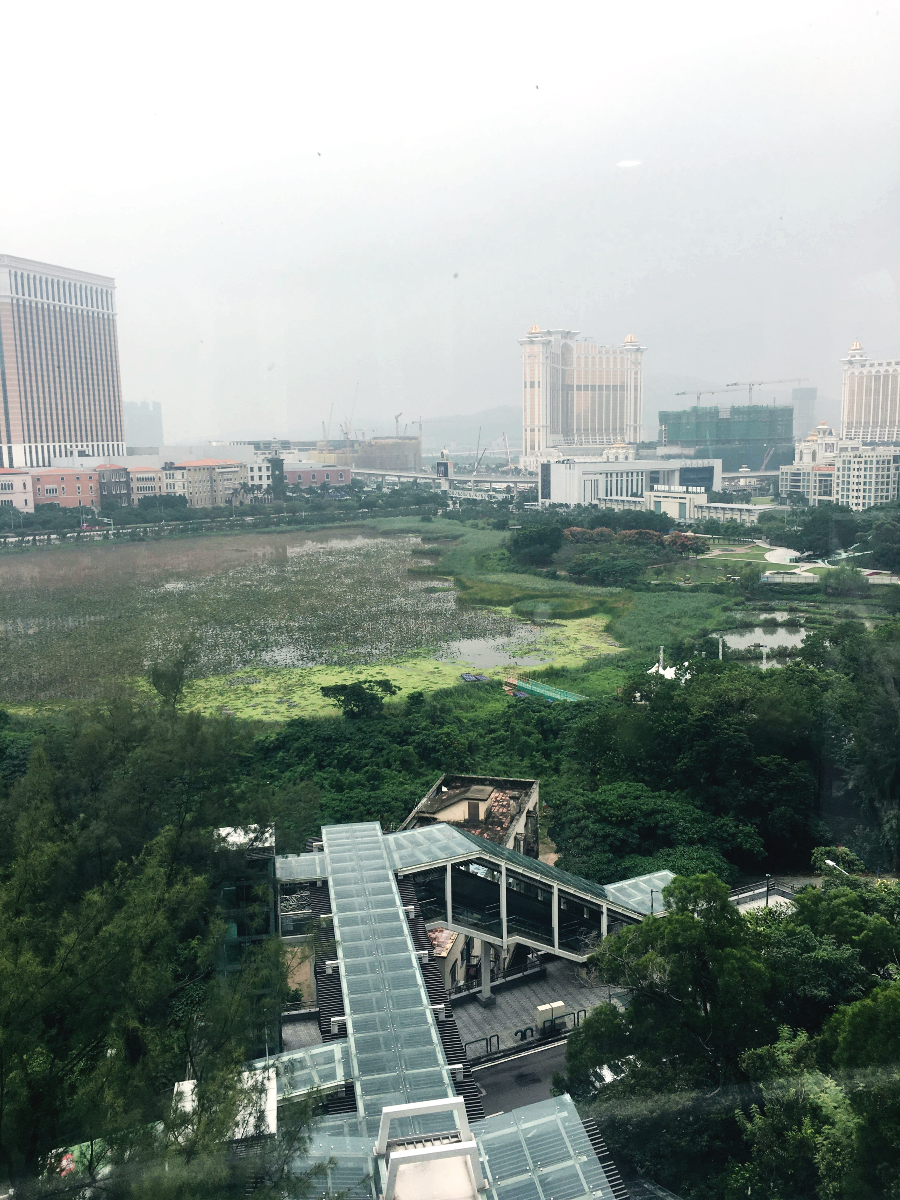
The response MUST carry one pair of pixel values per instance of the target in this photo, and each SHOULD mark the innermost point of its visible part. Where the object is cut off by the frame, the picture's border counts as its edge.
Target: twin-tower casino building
(60, 387)
(576, 392)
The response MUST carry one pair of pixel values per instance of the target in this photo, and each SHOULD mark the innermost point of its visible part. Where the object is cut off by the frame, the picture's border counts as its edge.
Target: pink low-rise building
(68, 489)
(16, 489)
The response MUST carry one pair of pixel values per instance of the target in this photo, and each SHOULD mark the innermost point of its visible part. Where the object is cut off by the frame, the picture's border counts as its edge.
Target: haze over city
(364, 209)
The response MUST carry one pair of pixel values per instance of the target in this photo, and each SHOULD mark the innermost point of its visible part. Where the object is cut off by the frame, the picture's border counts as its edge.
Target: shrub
(641, 537)
(838, 854)
(588, 536)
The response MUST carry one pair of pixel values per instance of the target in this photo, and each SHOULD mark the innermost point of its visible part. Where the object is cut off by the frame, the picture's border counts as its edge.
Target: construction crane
(705, 392)
(397, 417)
(326, 433)
(763, 383)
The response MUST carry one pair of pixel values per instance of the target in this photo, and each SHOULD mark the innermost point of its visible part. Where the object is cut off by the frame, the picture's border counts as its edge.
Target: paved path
(781, 554)
(516, 1004)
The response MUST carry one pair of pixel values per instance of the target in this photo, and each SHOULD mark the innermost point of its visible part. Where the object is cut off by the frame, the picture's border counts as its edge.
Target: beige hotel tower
(60, 393)
(870, 399)
(576, 392)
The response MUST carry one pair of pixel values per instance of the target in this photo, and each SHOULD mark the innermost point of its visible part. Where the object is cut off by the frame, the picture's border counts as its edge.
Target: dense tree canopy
(757, 1055)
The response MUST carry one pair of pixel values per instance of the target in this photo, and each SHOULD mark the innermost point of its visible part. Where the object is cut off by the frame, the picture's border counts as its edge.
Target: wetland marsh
(272, 616)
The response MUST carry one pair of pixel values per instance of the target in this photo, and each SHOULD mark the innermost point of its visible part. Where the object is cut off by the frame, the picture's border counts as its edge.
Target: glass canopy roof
(314, 1069)
(296, 868)
(413, 849)
(393, 1051)
(396, 1054)
(636, 893)
(539, 1152)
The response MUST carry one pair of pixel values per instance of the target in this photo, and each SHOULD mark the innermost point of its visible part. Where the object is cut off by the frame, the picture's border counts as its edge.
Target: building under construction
(752, 435)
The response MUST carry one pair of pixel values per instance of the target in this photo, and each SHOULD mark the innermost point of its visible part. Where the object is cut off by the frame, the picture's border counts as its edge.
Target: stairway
(610, 1170)
(434, 985)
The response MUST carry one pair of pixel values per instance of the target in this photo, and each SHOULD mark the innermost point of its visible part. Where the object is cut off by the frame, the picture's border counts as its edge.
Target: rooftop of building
(31, 264)
(506, 799)
(208, 462)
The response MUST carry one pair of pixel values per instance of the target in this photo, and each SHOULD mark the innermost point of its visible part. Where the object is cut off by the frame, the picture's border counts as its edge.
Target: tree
(363, 698)
(686, 543)
(742, 744)
(845, 581)
(608, 570)
(625, 829)
(823, 856)
(883, 539)
(862, 1045)
(170, 677)
(821, 530)
(656, 1073)
(802, 1141)
(535, 544)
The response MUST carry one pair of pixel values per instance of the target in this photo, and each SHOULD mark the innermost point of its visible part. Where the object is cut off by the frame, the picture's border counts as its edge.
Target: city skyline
(328, 244)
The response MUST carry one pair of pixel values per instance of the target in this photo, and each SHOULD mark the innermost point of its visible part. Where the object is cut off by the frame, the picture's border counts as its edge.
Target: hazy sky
(366, 205)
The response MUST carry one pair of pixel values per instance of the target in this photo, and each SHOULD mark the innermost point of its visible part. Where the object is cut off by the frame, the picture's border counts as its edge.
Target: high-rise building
(870, 399)
(143, 423)
(577, 392)
(803, 401)
(60, 391)
(831, 470)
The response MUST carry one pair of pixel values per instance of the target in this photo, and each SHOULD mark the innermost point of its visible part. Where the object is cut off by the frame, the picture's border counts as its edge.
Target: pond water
(768, 637)
(496, 652)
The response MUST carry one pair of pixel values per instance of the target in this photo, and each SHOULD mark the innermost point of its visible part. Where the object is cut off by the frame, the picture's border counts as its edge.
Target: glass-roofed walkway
(411, 1135)
(477, 887)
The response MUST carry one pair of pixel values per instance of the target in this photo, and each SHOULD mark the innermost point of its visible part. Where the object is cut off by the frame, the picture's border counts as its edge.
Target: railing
(491, 1044)
(532, 965)
(552, 1025)
(543, 689)
(747, 888)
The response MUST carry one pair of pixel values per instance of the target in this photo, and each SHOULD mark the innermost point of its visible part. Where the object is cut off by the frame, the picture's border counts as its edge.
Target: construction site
(753, 435)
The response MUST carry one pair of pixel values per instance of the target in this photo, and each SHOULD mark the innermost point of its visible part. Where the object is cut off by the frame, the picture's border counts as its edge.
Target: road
(523, 1079)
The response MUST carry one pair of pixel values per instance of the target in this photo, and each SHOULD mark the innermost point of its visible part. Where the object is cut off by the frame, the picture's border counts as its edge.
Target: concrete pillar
(484, 997)
(503, 904)
(448, 895)
(555, 916)
(604, 920)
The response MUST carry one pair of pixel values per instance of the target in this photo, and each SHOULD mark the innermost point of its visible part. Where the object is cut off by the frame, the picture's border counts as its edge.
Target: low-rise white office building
(603, 482)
